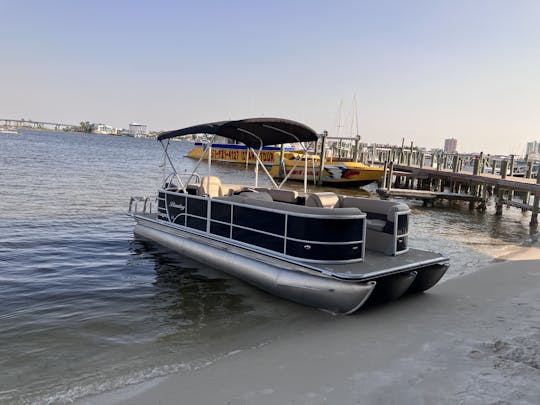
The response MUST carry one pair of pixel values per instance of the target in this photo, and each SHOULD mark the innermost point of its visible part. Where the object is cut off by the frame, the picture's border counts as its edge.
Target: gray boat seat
(256, 195)
(210, 186)
(324, 200)
(384, 208)
(277, 205)
(376, 224)
(277, 194)
(387, 223)
(230, 189)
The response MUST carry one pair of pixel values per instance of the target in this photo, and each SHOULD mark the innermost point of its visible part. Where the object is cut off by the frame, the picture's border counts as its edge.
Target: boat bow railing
(168, 181)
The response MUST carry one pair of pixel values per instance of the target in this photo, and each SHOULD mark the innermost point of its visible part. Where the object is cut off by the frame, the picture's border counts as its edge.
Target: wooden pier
(413, 173)
(449, 182)
(429, 197)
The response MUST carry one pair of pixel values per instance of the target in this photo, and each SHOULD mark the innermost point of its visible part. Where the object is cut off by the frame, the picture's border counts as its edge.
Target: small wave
(149, 377)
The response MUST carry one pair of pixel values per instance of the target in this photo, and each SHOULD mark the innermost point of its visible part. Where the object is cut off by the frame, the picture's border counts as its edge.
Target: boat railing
(148, 205)
(311, 234)
(168, 182)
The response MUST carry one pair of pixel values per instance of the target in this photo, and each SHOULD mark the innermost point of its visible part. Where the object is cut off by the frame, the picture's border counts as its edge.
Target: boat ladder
(148, 204)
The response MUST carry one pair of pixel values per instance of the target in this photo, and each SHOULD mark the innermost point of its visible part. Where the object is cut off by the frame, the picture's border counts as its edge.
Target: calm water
(85, 308)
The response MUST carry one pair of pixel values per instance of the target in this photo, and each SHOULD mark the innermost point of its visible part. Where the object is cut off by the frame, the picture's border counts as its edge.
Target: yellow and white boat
(234, 153)
(334, 172)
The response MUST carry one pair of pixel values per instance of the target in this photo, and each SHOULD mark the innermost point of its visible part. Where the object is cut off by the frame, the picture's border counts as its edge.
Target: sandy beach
(473, 339)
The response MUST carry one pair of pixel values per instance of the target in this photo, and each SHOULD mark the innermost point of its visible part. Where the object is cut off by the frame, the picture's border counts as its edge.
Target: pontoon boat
(320, 249)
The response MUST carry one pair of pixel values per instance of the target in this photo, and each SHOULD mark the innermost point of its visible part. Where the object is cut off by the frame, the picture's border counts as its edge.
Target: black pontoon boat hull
(285, 279)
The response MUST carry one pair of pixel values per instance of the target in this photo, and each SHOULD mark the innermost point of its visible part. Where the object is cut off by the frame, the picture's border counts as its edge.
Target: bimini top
(253, 132)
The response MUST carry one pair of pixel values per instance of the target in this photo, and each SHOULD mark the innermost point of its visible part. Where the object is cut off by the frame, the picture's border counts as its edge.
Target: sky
(418, 70)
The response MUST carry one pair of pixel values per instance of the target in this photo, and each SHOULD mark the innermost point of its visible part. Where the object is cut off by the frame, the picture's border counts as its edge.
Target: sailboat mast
(355, 107)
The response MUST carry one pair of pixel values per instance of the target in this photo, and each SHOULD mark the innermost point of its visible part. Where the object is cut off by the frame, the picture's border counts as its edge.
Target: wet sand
(473, 339)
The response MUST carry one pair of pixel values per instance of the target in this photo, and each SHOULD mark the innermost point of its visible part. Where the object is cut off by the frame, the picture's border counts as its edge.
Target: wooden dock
(411, 172)
(429, 197)
(508, 183)
(429, 184)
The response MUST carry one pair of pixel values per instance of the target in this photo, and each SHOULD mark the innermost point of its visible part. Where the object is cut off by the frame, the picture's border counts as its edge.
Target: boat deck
(378, 264)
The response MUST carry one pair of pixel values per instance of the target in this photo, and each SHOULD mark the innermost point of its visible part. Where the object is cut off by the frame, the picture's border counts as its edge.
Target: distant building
(102, 129)
(533, 148)
(137, 130)
(450, 145)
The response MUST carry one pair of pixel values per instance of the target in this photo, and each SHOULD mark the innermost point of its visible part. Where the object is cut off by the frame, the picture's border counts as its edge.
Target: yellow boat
(233, 153)
(334, 172)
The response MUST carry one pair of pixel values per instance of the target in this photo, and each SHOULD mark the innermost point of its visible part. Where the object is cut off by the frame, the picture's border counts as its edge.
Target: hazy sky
(422, 70)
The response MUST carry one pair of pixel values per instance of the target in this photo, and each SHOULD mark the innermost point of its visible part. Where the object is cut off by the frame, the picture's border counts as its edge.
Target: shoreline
(471, 339)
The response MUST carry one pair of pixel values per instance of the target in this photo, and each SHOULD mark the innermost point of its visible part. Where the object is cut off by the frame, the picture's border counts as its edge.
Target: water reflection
(455, 220)
(471, 239)
(186, 293)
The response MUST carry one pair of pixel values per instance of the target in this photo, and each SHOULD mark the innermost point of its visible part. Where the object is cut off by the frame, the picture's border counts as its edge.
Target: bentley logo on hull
(172, 204)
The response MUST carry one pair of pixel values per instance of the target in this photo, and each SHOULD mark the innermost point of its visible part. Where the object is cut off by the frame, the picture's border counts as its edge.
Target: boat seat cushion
(376, 224)
(210, 186)
(371, 206)
(325, 200)
(287, 196)
(242, 199)
(230, 189)
(256, 195)
(382, 233)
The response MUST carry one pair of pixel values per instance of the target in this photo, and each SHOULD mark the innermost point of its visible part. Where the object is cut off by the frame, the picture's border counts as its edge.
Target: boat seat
(210, 186)
(256, 195)
(230, 189)
(291, 208)
(387, 223)
(382, 209)
(277, 194)
(323, 199)
(376, 224)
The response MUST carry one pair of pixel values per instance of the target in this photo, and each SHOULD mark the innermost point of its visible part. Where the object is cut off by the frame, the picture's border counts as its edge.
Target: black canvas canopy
(253, 132)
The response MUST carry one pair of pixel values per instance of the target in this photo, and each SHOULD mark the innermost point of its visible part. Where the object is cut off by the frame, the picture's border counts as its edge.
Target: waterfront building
(450, 145)
(137, 130)
(102, 129)
(533, 148)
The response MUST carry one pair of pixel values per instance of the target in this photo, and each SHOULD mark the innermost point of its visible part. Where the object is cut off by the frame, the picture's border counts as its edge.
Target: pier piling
(536, 203)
